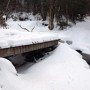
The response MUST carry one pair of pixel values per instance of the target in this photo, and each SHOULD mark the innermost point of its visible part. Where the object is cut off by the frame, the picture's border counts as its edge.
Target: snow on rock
(6, 71)
(9, 79)
(6, 65)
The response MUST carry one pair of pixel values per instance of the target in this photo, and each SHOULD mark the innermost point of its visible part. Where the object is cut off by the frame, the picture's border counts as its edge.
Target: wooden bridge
(27, 48)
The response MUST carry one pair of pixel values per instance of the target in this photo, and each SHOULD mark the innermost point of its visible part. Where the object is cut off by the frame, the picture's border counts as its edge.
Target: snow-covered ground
(64, 69)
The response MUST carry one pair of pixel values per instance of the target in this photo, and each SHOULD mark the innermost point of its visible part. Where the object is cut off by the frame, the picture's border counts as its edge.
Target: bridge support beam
(27, 48)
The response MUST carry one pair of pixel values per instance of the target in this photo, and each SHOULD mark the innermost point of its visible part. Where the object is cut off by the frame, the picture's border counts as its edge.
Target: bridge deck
(26, 48)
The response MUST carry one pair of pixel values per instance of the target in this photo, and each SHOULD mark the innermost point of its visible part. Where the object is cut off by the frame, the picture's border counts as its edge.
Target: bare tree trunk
(43, 10)
(67, 14)
(51, 17)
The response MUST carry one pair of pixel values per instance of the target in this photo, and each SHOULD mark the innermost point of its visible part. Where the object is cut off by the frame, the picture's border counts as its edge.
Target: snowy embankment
(79, 35)
(63, 70)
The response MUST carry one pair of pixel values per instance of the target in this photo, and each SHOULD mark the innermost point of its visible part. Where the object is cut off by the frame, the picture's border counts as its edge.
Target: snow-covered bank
(63, 70)
(79, 35)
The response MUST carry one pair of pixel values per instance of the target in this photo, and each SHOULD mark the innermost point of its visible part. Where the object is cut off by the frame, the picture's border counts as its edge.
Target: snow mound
(6, 66)
(62, 56)
(9, 79)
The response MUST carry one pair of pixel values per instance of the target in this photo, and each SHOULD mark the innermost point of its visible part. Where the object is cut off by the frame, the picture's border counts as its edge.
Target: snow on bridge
(14, 42)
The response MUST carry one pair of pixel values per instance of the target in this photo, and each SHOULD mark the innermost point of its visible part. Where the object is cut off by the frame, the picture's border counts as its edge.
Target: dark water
(85, 56)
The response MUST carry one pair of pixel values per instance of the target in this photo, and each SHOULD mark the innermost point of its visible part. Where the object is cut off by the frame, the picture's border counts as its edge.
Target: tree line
(61, 10)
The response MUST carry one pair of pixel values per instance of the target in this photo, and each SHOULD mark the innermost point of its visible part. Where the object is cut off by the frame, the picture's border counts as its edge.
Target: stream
(85, 56)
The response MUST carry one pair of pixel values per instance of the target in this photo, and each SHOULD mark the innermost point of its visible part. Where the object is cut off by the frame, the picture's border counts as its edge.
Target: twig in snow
(23, 28)
(32, 28)
(26, 28)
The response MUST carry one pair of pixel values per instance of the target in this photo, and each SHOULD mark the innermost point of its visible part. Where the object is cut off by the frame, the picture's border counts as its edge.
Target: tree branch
(32, 28)
(26, 28)
(23, 28)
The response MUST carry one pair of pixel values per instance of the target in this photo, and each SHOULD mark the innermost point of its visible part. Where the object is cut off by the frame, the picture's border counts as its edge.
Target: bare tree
(51, 14)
